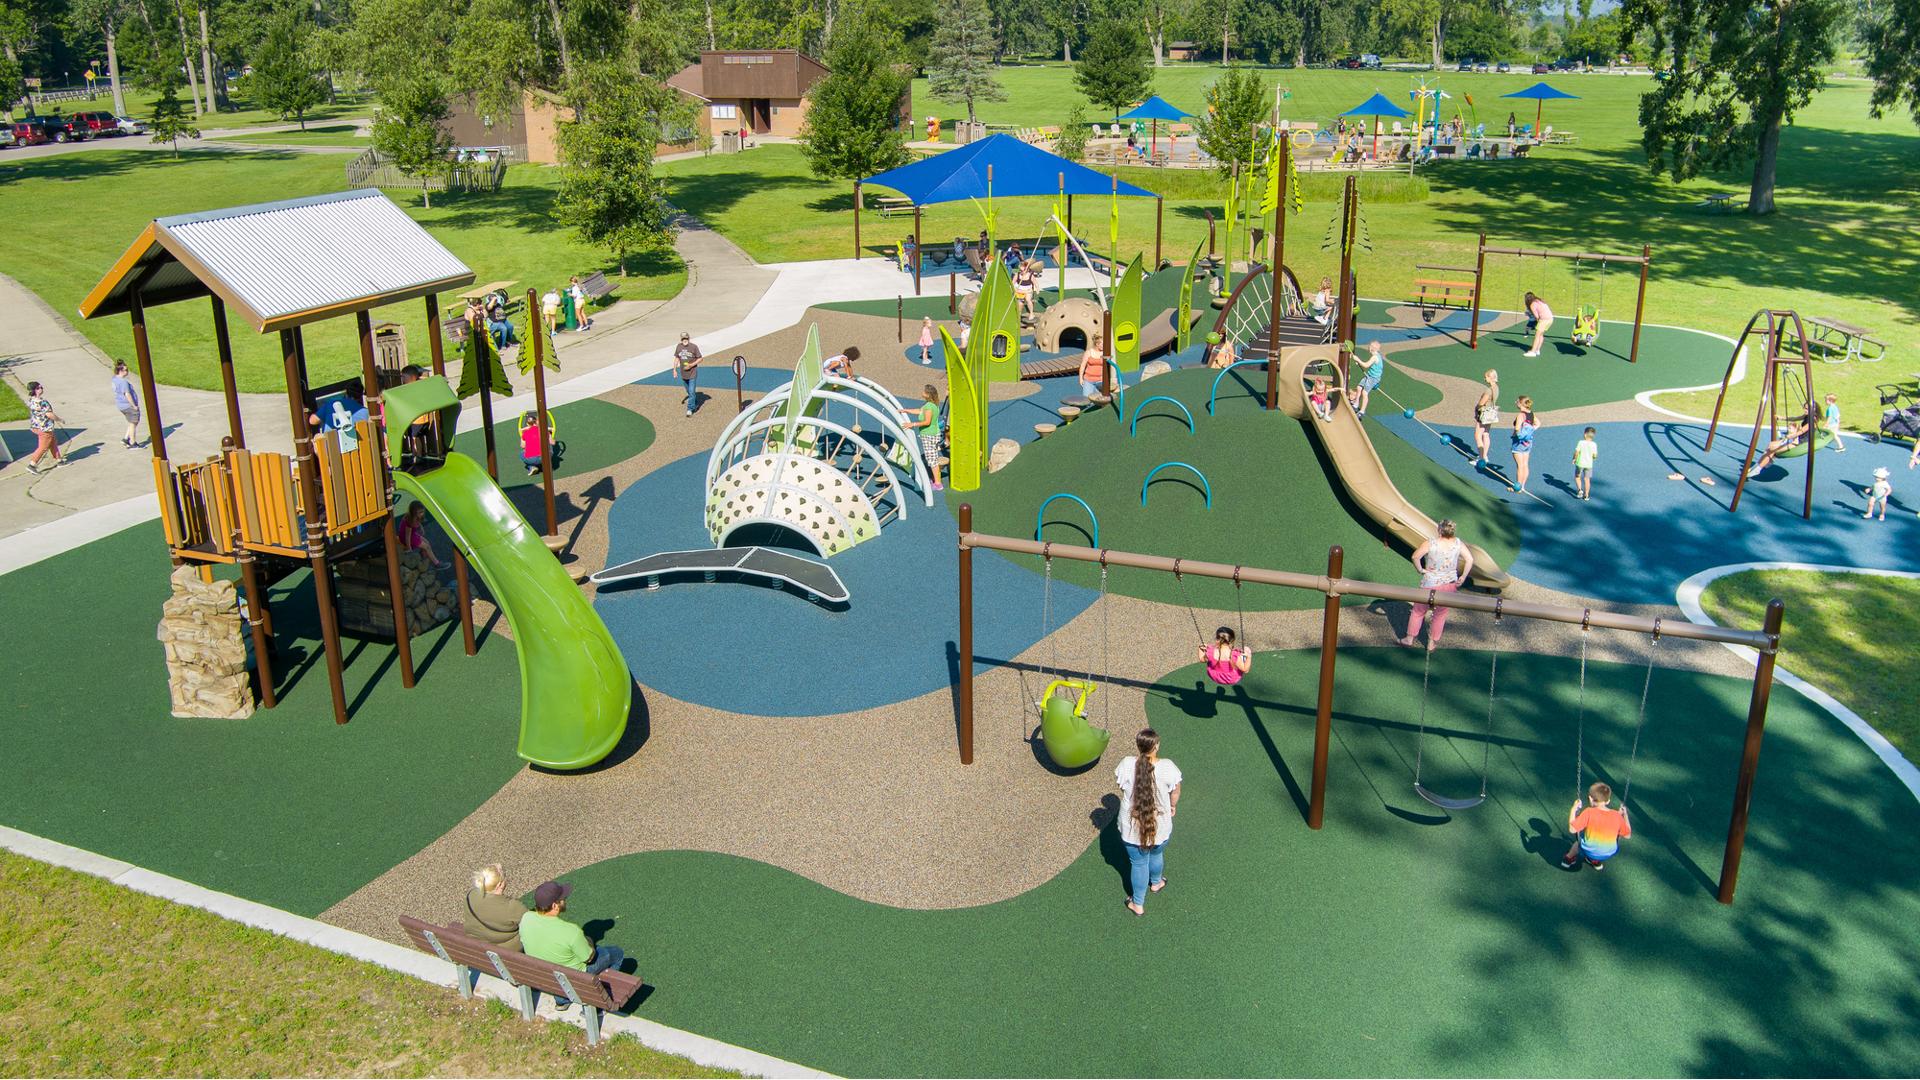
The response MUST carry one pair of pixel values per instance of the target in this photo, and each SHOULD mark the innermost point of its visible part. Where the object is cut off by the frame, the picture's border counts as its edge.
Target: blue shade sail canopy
(1377, 105)
(1018, 169)
(1155, 108)
(1541, 92)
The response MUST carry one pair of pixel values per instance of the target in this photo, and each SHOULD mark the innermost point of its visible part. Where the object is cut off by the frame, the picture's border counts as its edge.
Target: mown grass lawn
(350, 106)
(105, 981)
(1845, 242)
(72, 215)
(11, 407)
(1844, 633)
(314, 135)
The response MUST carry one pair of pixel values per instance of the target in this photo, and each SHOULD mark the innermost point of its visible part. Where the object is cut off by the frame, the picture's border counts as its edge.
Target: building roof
(282, 264)
(749, 73)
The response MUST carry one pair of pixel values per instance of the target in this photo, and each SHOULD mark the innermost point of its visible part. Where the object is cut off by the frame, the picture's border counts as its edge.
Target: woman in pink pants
(1444, 563)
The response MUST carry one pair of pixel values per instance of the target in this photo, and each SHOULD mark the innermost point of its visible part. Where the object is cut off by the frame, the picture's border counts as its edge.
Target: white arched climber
(794, 491)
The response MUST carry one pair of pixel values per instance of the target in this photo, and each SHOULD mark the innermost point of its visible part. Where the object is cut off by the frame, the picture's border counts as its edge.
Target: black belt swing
(1486, 751)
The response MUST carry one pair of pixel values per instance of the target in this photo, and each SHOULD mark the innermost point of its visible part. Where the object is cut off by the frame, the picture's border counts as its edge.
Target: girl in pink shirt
(1542, 318)
(1225, 663)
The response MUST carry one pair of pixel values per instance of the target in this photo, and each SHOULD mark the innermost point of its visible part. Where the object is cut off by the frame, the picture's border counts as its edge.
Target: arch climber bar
(1765, 642)
(1040, 515)
(1133, 428)
(1214, 393)
(1205, 487)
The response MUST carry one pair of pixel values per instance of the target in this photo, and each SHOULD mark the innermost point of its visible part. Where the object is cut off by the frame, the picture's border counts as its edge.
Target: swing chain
(1046, 611)
(1493, 684)
(1633, 755)
(1580, 724)
(1106, 656)
(1187, 599)
(1240, 611)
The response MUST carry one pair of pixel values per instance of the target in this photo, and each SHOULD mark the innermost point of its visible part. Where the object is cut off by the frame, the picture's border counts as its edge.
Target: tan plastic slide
(1345, 438)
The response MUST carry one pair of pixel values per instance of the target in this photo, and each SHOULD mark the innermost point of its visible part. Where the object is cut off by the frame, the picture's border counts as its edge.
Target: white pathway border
(697, 1048)
(1687, 597)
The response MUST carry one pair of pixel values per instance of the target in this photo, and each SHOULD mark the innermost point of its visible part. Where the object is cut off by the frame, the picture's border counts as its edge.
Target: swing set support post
(1323, 714)
(1479, 279)
(1750, 753)
(1639, 302)
(966, 637)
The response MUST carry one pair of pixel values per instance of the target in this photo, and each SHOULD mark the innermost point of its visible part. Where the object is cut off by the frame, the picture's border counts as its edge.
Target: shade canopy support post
(307, 469)
(966, 639)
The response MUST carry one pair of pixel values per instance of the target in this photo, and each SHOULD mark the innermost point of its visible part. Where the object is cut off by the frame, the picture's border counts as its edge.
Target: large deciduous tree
(1892, 38)
(960, 62)
(1236, 102)
(407, 131)
(852, 128)
(1739, 70)
(1112, 70)
(608, 192)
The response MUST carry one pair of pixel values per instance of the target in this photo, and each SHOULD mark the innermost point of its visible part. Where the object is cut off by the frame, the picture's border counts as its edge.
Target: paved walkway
(728, 300)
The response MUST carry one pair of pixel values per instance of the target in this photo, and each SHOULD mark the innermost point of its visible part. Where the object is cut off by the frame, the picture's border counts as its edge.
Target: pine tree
(283, 79)
(1112, 70)
(170, 123)
(608, 192)
(960, 62)
(1072, 143)
(852, 127)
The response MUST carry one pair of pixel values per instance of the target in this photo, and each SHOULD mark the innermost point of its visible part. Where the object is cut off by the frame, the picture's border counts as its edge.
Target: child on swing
(1597, 829)
(1225, 662)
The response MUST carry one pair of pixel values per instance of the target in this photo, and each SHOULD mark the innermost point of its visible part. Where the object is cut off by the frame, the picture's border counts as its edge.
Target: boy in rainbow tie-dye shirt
(1597, 830)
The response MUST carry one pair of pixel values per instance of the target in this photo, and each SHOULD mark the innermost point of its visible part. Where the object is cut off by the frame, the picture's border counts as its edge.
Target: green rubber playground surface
(598, 434)
(1394, 942)
(1565, 377)
(286, 807)
(1275, 502)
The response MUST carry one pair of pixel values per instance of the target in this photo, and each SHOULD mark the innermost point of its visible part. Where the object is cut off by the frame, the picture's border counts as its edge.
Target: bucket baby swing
(1072, 741)
(1586, 316)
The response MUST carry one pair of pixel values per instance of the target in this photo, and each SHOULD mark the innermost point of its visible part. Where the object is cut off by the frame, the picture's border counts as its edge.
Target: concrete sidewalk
(728, 301)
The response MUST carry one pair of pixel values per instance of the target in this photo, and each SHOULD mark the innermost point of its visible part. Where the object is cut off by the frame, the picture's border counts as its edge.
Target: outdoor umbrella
(1156, 109)
(1377, 106)
(1539, 92)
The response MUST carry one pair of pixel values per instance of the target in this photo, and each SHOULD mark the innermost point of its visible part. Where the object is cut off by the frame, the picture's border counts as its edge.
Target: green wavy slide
(575, 689)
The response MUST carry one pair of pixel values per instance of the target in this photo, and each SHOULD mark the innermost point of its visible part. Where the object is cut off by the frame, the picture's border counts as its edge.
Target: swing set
(1589, 290)
(1070, 713)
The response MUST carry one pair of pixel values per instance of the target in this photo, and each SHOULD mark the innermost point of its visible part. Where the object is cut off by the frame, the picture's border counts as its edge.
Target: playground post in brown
(1323, 710)
(1479, 280)
(1640, 302)
(1277, 308)
(224, 345)
(856, 219)
(307, 471)
(540, 418)
(396, 593)
(1750, 753)
(443, 441)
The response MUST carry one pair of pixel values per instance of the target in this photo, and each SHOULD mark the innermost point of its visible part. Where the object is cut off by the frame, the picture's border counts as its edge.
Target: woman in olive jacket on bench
(489, 914)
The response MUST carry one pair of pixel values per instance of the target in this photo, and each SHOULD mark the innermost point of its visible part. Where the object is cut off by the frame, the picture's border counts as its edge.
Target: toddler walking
(1881, 490)
(1584, 453)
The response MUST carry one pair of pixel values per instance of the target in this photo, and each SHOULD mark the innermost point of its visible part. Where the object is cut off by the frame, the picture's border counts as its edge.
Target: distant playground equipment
(1784, 379)
(1586, 319)
(1332, 585)
(1358, 464)
(332, 500)
(1133, 427)
(1206, 488)
(786, 465)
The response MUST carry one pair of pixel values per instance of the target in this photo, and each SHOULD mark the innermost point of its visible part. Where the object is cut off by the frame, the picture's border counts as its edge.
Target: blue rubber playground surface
(778, 654)
(1642, 534)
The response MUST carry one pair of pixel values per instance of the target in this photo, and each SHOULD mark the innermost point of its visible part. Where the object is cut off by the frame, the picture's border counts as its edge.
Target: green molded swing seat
(1822, 438)
(1070, 740)
(1586, 325)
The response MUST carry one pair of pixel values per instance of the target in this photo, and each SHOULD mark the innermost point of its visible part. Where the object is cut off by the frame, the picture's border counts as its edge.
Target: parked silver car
(130, 126)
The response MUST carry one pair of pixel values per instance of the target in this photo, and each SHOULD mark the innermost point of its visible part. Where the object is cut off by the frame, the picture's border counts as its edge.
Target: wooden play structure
(1765, 641)
(1780, 372)
(282, 266)
(1579, 258)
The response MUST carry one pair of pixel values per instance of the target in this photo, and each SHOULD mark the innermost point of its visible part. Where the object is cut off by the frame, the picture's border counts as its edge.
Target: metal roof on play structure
(282, 264)
(1018, 169)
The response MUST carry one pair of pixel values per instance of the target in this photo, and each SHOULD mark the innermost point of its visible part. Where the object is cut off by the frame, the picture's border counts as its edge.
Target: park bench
(596, 286)
(1442, 293)
(609, 991)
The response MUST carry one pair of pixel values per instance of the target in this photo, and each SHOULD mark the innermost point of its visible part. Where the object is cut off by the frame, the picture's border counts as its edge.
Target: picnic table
(1718, 201)
(480, 292)
(1831, 336)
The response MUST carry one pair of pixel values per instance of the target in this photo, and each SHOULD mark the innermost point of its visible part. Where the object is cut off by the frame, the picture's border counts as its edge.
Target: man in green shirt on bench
(544, 935)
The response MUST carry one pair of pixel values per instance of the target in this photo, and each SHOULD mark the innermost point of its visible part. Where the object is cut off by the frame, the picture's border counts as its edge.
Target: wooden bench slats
(608, 990)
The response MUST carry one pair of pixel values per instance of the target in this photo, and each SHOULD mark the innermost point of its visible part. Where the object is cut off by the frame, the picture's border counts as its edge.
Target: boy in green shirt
(544, 935)
(1584, 453)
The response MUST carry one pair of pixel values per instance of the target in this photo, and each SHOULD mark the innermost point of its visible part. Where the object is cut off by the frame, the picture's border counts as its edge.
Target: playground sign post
(739, 378)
